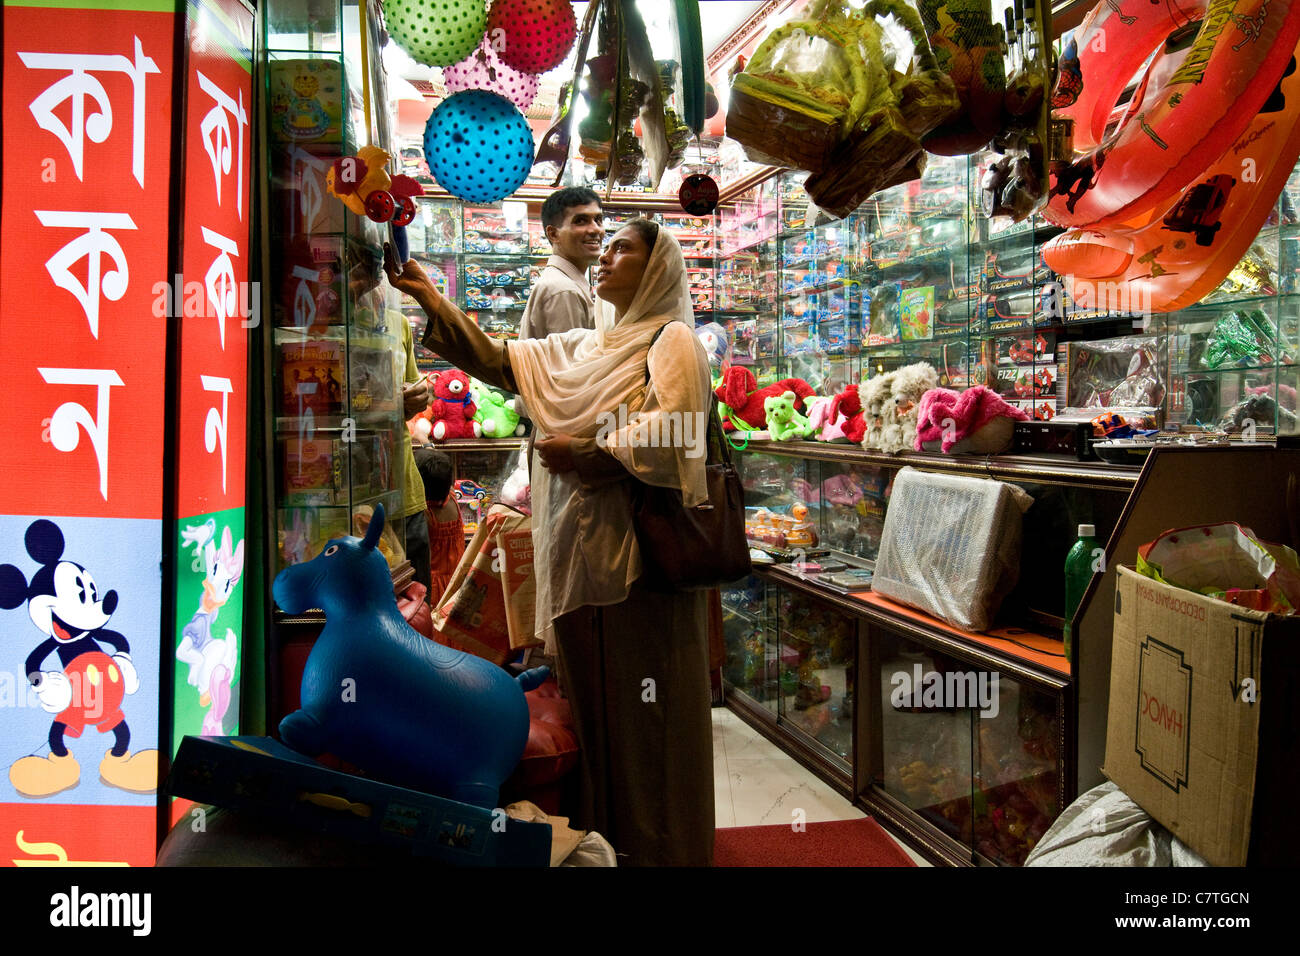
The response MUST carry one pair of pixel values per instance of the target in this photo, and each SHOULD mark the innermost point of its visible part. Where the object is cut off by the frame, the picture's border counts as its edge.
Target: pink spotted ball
(483, 70)
(532, 35)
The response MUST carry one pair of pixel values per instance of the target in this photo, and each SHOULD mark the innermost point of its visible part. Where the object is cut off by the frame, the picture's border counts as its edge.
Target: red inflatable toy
(1174, 254)
(1213, 66)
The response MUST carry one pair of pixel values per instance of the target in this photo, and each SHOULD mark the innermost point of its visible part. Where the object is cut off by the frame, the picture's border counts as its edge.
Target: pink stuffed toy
(952, 417)
(739, 391)
(453, 408)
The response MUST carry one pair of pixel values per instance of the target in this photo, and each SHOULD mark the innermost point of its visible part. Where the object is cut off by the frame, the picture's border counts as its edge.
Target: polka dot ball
(483, 70)
(532, 35)
(478, 146)
(436, 32)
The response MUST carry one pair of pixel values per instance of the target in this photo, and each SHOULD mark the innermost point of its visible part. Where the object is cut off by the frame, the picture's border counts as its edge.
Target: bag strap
(719, 449)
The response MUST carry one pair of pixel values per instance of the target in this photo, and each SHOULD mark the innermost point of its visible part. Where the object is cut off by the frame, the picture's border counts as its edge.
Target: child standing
(446, 533)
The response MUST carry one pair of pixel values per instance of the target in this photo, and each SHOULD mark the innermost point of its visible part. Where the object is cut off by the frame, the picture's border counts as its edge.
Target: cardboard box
(1204, 728)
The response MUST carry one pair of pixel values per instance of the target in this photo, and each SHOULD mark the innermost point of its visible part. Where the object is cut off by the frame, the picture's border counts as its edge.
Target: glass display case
(815, 681)
(969, 749)
(747, 278)
(335, 345)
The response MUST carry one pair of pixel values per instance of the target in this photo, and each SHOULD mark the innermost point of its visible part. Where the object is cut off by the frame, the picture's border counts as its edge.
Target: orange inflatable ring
(1201, 89)
(1174, 255)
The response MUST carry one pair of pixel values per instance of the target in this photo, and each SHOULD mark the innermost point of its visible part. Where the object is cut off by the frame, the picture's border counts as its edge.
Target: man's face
(579, 237)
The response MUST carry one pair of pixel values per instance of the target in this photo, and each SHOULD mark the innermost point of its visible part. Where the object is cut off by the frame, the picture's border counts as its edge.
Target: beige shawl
(588, 383)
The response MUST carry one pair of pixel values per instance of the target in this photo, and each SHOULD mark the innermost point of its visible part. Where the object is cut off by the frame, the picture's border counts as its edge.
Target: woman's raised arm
(450, 332)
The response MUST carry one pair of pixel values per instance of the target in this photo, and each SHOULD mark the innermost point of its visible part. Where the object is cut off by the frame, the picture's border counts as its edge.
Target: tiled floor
(757, 784)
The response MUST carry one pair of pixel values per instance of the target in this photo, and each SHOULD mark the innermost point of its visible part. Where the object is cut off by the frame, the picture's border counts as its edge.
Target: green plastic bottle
(1078, 573)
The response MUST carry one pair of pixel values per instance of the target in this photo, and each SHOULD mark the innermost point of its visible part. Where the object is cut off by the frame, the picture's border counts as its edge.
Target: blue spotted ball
(478, 146)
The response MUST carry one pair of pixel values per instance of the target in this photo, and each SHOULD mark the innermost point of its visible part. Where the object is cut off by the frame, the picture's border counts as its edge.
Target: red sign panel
(87, 124)
(214, 328)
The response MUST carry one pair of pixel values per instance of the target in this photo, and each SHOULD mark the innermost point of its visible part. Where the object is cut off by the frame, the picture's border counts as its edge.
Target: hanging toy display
(436, 32)
(362, 184)
(532, 36)
(1205, 81)
(1016, 184)
(478, 146)
(1175, 254)
(968, 48)
(698, 195)
(483, 70)
(883, 146)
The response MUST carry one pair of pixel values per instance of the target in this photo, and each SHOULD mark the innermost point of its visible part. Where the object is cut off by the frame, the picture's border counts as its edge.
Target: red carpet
(840, 843)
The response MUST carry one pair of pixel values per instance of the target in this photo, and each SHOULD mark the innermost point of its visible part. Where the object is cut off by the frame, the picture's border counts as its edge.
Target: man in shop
(562, 299)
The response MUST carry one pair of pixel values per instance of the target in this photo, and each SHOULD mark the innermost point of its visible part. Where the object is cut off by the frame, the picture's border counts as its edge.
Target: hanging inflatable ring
(1198, 94)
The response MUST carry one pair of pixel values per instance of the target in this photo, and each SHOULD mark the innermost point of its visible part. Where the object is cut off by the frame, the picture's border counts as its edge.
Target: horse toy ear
(374, 529)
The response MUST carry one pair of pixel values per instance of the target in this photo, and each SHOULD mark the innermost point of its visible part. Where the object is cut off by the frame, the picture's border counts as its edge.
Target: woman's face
(621, 266)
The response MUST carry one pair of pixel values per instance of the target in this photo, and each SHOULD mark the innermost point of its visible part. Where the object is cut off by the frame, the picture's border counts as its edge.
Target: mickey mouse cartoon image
(67, 606)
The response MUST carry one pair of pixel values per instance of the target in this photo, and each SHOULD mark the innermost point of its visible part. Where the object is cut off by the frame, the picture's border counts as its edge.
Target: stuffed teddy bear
(739, 391)
(822, 421)
(783, 421)
(874, 393)
(902, 407)
(452, 410)
(496, 416)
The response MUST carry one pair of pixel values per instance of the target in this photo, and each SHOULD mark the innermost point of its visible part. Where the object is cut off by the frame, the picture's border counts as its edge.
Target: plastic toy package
(1108, 373)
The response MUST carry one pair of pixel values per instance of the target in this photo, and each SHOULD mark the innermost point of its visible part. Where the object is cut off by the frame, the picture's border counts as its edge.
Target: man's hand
(410, 279)
(415, 398)
(555, 452)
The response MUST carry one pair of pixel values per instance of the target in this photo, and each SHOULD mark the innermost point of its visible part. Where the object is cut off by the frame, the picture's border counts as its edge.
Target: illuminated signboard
(83, 245)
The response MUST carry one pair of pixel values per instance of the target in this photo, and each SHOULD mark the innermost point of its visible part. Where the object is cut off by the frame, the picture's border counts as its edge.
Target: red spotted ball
(533, 36)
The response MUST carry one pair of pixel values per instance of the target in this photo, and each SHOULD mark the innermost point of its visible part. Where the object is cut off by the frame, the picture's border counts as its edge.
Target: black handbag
(691, 549)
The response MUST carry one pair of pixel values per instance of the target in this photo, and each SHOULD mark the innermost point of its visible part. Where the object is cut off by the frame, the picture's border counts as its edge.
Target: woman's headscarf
(590, 384)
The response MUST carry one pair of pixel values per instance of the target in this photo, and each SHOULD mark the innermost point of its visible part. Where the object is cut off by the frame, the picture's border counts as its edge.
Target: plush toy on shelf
(783, 421)
(496, 416)
(900, 408)
(739, 391)
(874, 394)
(839, 417)
(452, 410)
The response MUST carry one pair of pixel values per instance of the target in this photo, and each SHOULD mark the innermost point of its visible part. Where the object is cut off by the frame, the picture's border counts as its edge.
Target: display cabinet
(334, 345)
(813, 659)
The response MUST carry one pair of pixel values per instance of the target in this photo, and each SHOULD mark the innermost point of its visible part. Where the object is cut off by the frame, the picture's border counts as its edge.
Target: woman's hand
(410, 279)
(556, 452)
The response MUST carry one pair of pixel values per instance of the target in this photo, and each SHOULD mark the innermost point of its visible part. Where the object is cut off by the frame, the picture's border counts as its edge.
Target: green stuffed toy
(784, 423)
(496, 417)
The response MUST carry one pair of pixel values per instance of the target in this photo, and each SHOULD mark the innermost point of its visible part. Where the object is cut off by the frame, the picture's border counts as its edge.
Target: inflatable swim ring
(1173, 255)
(1213, 64)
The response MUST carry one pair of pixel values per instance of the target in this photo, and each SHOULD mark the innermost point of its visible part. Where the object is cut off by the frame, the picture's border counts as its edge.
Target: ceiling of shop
(420, 87)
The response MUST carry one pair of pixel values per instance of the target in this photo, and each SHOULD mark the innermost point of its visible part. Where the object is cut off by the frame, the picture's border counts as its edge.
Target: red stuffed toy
(739, 391)
(848, 404)
(453, 408)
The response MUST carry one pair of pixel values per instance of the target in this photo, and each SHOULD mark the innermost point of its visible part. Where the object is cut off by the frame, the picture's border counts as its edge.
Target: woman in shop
(633, 663)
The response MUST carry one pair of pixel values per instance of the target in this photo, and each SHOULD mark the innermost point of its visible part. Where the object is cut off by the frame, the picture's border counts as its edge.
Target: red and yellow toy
(362, 184)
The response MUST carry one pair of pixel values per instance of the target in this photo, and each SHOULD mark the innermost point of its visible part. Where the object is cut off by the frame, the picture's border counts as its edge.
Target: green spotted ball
(436, 32)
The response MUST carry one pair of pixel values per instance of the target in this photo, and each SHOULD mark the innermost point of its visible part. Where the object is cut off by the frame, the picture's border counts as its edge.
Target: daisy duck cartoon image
(81, 671)
(212, 659)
